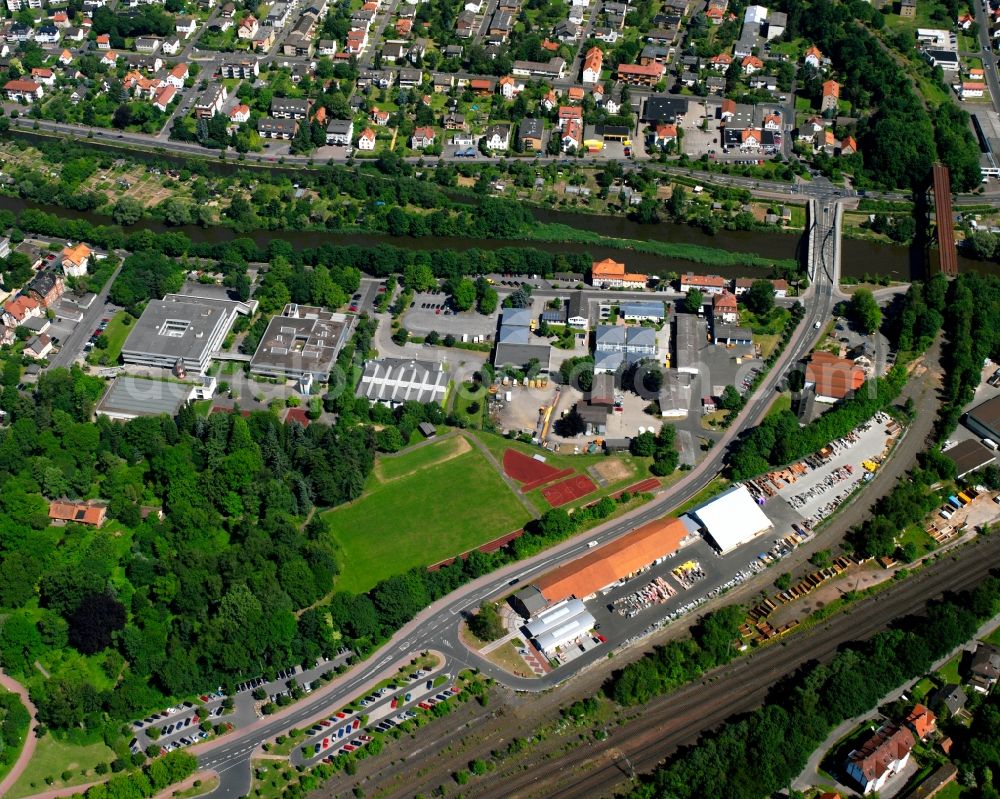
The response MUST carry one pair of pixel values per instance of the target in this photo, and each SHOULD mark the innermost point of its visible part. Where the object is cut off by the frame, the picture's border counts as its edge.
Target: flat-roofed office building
(181, 332)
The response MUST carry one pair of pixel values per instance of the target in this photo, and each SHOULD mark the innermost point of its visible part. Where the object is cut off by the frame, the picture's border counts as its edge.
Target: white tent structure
(732, 519)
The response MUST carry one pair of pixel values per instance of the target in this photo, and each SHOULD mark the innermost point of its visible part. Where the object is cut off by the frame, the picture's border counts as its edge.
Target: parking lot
(814, 486)
(431, 311)
(179, 726)
(385, 708)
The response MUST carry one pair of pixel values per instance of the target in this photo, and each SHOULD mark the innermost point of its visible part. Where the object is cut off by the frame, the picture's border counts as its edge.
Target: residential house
(380, 117)
(422, 138)
(454, 121)
(848, 146)
(721, 62)
(239, 114)
(340, 131)
(43, 75)
(813, 57)
(177, 75)
(46, 286)
(103, 41)
(19, 309)
(572, 135)
(592, 65)
(366, 141)
(751, 64)
(569, 113)
(75, 259)
(950, 696)
(611, 274)
(23, 91)
(831, 96)
(664, 134)
(63, 511)
(38, 346)
(171, 46)
(247, 29)
(882, 755)
(185, 26)
(725, 308)
(984, 669)
(921, 721)
(706, 284)
(497, 137)
(529, 133)
(509, 88)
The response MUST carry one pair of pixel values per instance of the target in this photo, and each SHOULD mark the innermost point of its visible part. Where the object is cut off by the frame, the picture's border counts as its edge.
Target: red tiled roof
(834, 377)
(623, 556)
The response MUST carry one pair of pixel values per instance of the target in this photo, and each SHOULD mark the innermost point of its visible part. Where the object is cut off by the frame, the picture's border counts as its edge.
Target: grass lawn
(915, 535)
(422, 518)
(949, 671)
(782, 403)
(922, 688)
(994, 637)
(115, 333)
(950, 791)
(717, 486)
(466, 399)
(408, 462)
(52, 758)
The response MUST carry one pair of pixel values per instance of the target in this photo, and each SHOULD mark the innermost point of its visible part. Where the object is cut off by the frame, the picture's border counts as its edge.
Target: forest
(759, 753)
(167, 607)
(902, 138)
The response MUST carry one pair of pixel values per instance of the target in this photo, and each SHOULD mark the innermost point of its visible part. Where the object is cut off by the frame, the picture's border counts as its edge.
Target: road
(989, 64)
(666, 723)
(435, 627)
(443, 750)
(73, 345)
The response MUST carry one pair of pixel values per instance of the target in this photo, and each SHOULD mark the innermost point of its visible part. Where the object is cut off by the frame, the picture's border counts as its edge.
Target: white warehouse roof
(732, 519)
(560, 624)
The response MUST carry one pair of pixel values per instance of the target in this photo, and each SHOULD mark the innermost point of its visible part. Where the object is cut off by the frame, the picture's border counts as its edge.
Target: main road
(434, 628)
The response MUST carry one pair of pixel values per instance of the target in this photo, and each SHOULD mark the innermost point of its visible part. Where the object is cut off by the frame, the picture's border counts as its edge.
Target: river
(859, 256)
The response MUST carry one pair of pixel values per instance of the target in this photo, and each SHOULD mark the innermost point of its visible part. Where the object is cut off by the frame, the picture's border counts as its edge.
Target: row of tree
(778, 439)
(760, 753)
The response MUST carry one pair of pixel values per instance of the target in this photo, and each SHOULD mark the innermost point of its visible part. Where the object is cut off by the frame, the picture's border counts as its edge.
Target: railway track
(672, 721)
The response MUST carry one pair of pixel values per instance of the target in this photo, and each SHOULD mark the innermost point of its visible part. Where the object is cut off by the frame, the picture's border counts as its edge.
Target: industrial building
(602, 567)
(181, 332)
(615, 345)
(130, 397)
(984, 419)
(731, 519)
(301, 343)
(688, 334)
(560, 625)
(514, 347)
(393, 381)
(969, 456)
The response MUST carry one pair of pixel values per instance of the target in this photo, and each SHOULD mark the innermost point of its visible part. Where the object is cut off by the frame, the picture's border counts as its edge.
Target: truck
(989, 442)
(508, 396)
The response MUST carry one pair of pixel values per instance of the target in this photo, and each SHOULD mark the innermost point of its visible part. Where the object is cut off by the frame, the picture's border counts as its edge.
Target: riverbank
(562, 233)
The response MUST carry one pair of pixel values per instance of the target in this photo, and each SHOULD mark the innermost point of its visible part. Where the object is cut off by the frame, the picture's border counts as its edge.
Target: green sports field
(450, 505)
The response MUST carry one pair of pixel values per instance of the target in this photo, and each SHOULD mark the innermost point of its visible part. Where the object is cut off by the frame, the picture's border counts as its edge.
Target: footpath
(30, 741)
(810, 775)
